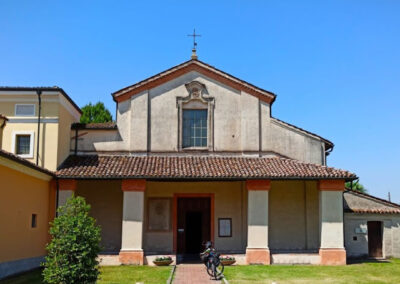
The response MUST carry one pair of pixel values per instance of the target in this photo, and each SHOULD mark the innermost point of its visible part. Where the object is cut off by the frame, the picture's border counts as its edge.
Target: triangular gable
(202, 68)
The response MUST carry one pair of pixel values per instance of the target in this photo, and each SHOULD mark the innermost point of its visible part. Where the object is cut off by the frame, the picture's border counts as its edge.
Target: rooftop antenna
(389, 197)
(194, 35)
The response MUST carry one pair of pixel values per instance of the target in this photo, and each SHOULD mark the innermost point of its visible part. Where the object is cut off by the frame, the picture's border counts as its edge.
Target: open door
(193, 226)
(375, 239)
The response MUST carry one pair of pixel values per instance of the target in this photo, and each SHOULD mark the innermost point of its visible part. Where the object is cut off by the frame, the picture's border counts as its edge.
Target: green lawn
(109, 275)
(388, 272)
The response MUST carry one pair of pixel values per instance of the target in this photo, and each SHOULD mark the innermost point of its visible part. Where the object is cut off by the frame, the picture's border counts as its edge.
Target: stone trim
(332, 256)
(67, 184)
(133, 185)
(258, 256)
(258, 184)
(331, 185)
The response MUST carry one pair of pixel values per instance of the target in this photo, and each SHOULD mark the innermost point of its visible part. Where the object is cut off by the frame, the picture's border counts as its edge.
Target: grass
(382, 272)
(109, 275)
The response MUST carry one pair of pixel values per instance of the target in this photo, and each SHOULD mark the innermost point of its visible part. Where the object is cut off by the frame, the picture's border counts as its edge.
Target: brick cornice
(133, 185)
(258, 184)
(331, 185)
(67, 184)
(205, 70)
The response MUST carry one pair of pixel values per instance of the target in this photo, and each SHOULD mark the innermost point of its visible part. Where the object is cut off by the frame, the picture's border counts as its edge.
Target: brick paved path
(192, 274)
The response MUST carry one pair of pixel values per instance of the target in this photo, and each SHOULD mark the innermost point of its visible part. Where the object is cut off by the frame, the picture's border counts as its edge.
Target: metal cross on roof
(194, 35)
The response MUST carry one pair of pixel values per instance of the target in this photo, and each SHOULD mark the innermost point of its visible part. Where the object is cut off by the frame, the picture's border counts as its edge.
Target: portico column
(332, 251)
(257, 251)
(132, 222)
(66, 188)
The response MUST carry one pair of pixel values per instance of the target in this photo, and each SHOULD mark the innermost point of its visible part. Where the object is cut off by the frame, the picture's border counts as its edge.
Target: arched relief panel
(198, 99)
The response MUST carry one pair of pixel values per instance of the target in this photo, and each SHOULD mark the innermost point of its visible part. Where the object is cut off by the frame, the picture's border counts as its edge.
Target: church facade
(195, 155)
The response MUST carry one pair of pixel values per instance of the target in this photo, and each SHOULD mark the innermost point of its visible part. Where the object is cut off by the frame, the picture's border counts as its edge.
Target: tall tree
(356, 186)
(95, 113)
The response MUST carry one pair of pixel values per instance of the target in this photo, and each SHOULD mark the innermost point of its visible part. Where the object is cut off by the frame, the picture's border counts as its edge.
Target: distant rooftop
(42, 88)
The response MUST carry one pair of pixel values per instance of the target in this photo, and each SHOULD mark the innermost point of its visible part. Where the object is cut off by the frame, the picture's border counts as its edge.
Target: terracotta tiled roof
(357, 202)
(100, 126)
(15, 158)
(210, 167)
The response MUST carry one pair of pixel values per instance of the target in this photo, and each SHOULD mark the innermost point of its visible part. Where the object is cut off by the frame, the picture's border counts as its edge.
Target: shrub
(75, 244)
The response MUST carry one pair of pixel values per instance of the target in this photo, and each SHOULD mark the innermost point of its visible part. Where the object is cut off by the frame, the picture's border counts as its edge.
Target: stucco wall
(293, 215)
(230, 202)
(23, 194)
(57, 114)
(149, 122)
(105, 199)
(359, 247)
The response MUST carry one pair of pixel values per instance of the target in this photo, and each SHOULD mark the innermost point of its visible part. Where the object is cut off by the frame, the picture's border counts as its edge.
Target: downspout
(76, 141)
(39, 93)
(259, 129)
(57, 194)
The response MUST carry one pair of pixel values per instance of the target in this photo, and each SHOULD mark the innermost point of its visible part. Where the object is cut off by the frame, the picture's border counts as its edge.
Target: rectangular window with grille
(194, 128)
(24, 110)
(23, 144)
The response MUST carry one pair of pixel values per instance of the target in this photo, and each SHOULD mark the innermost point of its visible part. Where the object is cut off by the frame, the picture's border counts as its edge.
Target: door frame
(381, 229)
(175, 214)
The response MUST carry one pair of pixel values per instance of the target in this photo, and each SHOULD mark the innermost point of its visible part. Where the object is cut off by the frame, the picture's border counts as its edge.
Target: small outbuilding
(372, 226)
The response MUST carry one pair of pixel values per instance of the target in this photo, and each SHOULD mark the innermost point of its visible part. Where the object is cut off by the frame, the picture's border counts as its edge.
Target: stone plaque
(159, 214)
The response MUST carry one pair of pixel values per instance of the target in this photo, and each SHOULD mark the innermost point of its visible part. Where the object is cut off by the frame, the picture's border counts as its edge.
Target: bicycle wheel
(220, 269)
(214, 271)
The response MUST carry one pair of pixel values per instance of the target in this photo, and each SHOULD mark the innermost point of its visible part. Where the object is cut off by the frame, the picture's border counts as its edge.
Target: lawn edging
(171, 275)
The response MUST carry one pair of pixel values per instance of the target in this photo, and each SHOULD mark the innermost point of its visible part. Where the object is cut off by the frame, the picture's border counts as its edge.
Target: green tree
(95, 113)
(356, 186)
(75, 244)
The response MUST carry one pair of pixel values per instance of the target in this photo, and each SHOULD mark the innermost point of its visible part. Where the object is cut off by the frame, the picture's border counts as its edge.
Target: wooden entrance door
(375, 238)
(193, 224)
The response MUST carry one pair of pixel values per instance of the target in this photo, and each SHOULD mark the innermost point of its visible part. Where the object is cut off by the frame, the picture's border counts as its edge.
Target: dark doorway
(193, 222)
(375, 238)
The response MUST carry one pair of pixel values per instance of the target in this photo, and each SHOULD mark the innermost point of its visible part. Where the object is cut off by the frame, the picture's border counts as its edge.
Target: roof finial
(194, 35)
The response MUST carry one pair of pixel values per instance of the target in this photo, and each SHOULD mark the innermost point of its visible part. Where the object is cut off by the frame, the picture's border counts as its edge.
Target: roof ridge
(15, 158)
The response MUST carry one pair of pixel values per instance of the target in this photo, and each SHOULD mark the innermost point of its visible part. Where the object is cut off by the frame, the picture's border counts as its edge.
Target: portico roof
(194, 167)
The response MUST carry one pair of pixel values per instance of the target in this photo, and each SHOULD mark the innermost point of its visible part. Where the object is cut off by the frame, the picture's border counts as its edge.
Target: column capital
(133, 185)
(67, 184)
(258, 184)
(331, 185)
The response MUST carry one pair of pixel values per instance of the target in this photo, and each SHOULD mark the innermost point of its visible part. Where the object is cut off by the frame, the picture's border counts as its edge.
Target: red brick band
(258, 184)
(67, 184)
(133, 185)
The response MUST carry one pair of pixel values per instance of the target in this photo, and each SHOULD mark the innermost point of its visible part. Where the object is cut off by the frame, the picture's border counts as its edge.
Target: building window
(34, 221)
(24, 110)
(22, 144)
(194, 128)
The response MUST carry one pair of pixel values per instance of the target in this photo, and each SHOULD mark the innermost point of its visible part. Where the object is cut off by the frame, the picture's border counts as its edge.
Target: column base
(258, 256)
(133, 257)
(332, 256)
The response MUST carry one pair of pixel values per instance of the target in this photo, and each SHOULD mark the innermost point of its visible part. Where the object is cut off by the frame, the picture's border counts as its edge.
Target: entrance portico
(259, 220)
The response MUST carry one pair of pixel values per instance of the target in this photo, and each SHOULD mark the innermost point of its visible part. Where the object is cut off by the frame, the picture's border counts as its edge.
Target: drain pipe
(39, 93)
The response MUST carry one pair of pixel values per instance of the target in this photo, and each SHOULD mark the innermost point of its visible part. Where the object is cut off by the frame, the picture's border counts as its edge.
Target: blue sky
(335, 65)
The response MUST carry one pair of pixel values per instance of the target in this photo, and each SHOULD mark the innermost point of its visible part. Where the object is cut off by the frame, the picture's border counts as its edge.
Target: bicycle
(211, 259)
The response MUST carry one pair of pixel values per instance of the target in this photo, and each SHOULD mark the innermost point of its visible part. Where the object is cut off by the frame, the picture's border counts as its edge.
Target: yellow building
(27, 205)
(23, 106)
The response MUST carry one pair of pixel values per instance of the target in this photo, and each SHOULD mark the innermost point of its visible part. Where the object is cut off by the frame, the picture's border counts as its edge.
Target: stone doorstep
(295, 258)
